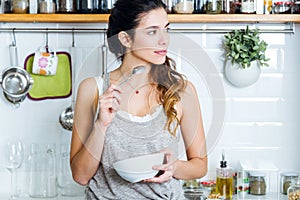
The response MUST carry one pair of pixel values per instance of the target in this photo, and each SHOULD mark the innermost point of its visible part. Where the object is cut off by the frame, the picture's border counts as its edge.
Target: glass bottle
(66, 6)
(294, 190)
(224, 183)
(183, 6)
(20, 6)
(248, 7)
(47, 6)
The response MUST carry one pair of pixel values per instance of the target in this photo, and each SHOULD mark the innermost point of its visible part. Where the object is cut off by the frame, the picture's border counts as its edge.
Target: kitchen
(256, 124)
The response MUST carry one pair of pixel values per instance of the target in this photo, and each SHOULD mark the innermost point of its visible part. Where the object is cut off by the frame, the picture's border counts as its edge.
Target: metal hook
(14, 41)
(73, 37)
(46, 38)
(104, 55)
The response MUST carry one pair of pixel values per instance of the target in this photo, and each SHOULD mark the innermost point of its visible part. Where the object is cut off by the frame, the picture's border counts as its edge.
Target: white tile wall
(260, 122)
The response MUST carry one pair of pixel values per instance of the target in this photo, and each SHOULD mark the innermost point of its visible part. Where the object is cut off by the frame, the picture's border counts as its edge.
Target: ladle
(136, 70)
(66, 117)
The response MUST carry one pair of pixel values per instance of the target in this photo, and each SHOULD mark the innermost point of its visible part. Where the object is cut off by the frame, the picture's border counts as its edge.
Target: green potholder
(54, 86)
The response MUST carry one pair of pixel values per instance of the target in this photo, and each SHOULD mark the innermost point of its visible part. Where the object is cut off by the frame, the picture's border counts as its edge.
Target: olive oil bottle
(224, 183)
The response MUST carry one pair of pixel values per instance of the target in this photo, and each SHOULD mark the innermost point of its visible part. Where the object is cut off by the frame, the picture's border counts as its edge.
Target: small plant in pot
(245, 54)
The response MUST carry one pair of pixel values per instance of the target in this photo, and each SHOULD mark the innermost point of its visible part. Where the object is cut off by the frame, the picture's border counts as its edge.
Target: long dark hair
(126, 16)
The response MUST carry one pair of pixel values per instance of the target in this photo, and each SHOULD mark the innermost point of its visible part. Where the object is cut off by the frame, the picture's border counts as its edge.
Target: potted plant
(245, 54)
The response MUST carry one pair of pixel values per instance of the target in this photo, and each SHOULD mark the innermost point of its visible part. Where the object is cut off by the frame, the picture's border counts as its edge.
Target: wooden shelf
(174, 18)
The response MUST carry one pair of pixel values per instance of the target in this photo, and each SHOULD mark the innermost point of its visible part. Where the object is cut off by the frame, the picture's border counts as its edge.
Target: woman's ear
(124, 39)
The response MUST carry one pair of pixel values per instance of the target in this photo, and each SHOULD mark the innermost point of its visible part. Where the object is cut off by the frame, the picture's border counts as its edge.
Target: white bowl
(138, 168)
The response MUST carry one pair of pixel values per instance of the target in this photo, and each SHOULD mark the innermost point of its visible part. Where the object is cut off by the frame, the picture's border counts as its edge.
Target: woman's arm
(84, 158)
(87, 136)
(191, 125)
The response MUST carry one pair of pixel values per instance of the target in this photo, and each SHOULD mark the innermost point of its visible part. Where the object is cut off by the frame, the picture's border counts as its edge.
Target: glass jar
(213, 6)
(257, 184)
(183, 6)
(296, 7)
(89, 6)
(47, 6)
(42, 174)
(199, 7)
(168, 4)
(7, 6)
(282, 7)
(66, 6)
(285, 180)
(106, 6)
(248, 6)
(294, 190)
(20, 6)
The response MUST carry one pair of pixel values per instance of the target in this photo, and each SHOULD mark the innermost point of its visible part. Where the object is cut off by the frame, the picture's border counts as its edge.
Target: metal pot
(16, 83)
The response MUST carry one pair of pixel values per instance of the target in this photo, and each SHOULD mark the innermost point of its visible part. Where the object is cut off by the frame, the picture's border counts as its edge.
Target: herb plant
(244, 46)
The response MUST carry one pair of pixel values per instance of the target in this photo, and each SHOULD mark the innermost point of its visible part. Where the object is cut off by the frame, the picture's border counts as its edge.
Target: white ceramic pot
(241, 77)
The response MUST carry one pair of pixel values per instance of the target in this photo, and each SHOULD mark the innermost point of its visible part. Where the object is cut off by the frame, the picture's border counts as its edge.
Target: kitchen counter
(272, 196)
(6, 196)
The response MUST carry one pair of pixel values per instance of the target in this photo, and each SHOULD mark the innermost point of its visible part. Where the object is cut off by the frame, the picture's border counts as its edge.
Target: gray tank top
(124, 139)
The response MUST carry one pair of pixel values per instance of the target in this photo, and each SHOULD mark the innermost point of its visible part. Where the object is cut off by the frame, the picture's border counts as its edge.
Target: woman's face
(151, 38)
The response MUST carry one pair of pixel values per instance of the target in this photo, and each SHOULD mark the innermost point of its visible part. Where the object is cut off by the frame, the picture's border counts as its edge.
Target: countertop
(271, 196)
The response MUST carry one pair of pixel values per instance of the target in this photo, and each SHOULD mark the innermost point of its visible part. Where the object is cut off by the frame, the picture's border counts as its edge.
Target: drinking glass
(12, 154)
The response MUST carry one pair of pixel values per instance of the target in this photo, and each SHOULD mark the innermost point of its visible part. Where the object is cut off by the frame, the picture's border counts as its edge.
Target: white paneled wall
(261, 122)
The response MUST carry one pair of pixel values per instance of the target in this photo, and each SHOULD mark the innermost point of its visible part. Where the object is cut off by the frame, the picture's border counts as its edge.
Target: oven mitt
(55, 86)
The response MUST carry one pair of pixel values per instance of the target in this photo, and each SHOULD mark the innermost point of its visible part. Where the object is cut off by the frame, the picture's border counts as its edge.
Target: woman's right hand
(109, 103)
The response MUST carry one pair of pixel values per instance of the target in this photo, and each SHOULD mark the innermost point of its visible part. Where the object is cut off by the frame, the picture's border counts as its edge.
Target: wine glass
(12, 154)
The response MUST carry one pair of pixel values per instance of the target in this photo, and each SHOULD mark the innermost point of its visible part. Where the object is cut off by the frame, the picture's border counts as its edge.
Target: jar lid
(257, 174)
(282, 3)
(290, 174)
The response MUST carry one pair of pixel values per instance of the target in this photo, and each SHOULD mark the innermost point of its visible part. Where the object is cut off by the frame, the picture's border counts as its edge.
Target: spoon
(136, 70)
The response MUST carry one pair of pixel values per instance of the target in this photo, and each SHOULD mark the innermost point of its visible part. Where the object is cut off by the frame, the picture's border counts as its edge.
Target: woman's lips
(161, 52)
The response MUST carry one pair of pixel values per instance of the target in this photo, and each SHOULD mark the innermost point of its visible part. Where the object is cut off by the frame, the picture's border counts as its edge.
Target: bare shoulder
(190, 89)
(87, 88)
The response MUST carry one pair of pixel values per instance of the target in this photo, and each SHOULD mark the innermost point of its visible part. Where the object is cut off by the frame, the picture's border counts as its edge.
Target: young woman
(143, 114)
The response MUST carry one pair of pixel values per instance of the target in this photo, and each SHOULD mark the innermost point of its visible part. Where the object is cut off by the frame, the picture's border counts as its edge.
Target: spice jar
(282, 7)
(20, 6)
(285, 180)
(7, 6)
(199, 7)
(66, 6)
(168, 4)
(296, 7)
(294, 190)
(257, 183)
(47, 6)
(213, 6)
(90, 6)
(248, 6)
(107, 5)
(183, 6)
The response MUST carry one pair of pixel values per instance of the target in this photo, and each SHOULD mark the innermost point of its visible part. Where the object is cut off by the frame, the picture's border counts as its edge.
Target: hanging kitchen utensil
(15, 81)
(66, 117)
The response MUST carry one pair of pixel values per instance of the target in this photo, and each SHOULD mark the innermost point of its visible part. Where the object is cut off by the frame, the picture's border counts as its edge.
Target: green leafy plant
(243, 46)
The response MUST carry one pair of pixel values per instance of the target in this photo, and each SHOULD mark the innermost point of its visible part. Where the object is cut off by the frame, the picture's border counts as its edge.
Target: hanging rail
(289, 28)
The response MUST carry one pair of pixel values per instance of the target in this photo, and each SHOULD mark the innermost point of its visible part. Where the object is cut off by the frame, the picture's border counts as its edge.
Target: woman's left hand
(166, 171)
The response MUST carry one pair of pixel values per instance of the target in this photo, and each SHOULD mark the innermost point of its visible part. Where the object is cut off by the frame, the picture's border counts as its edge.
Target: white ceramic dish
(138, 168)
